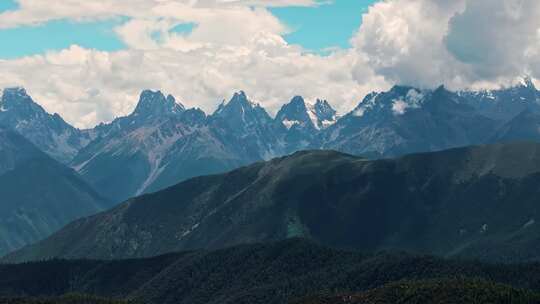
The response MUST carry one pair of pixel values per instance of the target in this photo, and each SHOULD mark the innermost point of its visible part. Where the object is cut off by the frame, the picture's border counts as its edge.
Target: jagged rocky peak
(400, 89)
(155, 103)
(385, 99)
(18, 99)
(324, 110)
(240, 97)
(395, 102)
(239, 101)
(14, 93)
(527, 82)
(442, 90)
(409, 93)
(295, 113)
(299, 112)
(296, 107)
(50, 133)
(298, 101)
(194, 116)
(16, 105)
(240, 107)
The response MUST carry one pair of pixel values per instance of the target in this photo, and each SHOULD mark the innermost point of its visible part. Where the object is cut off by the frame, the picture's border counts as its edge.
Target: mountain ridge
(162, 143)
(50, 133)
(329, 196)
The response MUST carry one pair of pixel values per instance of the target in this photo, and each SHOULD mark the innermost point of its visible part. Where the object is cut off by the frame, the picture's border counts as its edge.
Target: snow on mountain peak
(366, 104)
(318, 115)
(50, 133)
(412, 100)
(14, 94)
(242, 99)
(295, 112)
(527, 82)
(239, 103)
(399, 107)
(15, 91)
(2, 107)
(310, 110)
(18, 99)
(326, 114)
(155, 103)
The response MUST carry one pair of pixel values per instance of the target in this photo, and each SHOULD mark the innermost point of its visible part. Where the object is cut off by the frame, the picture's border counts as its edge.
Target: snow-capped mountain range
(162, 143)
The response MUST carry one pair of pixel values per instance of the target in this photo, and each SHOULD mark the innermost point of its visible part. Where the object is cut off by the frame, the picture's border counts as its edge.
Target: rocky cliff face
(50, 133)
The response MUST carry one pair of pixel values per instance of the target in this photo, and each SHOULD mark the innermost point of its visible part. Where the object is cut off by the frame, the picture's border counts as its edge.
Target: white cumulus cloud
(234, 45)
(461, 43)
(239, 45)
(89, 86)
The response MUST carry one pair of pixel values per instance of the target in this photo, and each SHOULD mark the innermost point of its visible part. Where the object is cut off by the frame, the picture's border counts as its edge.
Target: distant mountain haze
(38, 195)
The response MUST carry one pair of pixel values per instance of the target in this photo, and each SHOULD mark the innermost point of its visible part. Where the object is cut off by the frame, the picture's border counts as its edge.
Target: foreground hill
(445, 291)
(251, 274)
(479, 202)
(38, 195)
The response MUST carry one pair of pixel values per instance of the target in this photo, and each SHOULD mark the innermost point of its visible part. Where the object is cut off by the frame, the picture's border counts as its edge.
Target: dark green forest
(440, 291)
(67, 299)
(269, 273)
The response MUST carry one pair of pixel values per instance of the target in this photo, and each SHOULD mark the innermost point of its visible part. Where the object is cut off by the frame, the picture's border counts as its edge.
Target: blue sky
(325, 26)
(315, 28)
(57, 35)
(7, 5)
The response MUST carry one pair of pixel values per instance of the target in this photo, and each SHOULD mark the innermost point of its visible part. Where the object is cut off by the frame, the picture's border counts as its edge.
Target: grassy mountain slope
(479, 202)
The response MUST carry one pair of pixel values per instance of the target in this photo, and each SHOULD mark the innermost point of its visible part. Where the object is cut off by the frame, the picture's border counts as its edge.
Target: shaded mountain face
(50, 133)
(406, 120)
(303, 122)
(38, 194)
(299, 114)
(478, 202)
(260, 274)
(525, 126)
(15, 150)
(155, 104)
(505, 104)
(161, 143)
(246, 129)
(326, 115)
